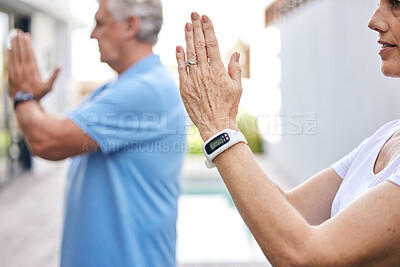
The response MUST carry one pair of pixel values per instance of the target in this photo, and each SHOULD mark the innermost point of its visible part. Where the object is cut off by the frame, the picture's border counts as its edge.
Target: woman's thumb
(234, 69)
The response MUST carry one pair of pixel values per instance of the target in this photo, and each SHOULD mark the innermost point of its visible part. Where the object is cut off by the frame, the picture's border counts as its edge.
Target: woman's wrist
(210, 130)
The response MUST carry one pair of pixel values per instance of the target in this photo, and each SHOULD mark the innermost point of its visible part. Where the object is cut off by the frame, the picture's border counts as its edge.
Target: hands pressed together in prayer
(23, 70)
(210, 93)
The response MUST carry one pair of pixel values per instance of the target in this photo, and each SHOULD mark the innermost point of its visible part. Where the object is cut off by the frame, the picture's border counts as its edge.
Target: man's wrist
(22, 97)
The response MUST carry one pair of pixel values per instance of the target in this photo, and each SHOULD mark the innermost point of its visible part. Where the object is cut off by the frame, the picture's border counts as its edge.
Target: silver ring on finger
(189, 63)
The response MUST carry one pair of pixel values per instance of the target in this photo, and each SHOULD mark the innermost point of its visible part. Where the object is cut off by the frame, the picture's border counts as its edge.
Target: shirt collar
(142, 65)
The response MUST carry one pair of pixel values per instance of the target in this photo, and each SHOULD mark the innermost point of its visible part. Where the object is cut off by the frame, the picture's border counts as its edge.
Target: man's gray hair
(149, 12)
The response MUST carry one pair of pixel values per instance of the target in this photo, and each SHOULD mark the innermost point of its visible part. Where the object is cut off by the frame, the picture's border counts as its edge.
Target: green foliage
(195, 143)
(5, 141)
(248, 126)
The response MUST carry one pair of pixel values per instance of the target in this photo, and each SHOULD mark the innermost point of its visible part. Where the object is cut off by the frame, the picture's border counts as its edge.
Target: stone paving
(31, 217)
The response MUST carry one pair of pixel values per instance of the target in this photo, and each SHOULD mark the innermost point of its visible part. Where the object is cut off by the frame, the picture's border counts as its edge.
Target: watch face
(23, 96)
(216, 143)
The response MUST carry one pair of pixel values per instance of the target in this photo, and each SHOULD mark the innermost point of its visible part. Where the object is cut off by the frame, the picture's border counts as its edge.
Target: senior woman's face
(386, 21)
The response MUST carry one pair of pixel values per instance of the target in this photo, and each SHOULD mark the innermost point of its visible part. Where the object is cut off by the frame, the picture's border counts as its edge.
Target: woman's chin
(390, 71)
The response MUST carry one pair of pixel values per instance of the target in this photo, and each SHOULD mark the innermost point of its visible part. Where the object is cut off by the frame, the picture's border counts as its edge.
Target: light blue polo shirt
(121, 201)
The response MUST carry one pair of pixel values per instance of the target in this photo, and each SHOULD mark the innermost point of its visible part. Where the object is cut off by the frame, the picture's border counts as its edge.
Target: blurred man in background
(125, 140)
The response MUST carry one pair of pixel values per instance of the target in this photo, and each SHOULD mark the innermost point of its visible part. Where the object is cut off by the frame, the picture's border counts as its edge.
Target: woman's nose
(378, 22)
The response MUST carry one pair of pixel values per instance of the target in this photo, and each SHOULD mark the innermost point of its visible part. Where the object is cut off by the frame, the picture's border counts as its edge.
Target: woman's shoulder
(384, 132)
(389, 126)
(392, 123)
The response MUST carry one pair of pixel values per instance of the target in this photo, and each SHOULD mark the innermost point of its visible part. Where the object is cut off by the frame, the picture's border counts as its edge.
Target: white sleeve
(395, 177)
(342, 166)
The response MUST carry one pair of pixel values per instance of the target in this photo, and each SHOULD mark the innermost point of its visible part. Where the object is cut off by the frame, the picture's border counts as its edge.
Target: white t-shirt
(357, 168)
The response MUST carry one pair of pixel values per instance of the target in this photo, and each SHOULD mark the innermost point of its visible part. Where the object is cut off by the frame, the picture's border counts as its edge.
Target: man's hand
(210, 93)
(23, 71)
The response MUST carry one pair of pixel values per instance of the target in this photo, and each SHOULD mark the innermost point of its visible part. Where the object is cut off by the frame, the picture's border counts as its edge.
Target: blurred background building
(51, 24)
(330, 85)
(312, 92)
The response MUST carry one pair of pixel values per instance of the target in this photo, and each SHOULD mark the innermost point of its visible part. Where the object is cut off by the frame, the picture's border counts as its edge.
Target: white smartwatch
(220, 142)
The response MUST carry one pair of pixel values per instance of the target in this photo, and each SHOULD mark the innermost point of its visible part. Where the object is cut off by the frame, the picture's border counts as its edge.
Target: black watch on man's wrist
(21, 97)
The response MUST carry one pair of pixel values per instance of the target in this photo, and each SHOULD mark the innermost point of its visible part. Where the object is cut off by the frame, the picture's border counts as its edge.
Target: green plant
(5, 142)
(195, 143)
(247, 124)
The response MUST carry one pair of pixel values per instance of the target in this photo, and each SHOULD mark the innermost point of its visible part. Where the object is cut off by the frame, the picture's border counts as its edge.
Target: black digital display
(216, 143)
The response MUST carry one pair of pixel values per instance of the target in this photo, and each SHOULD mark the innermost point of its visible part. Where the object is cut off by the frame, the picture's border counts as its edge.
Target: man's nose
(93, 34)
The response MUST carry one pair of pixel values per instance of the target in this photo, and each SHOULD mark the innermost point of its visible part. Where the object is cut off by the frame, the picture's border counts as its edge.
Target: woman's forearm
(280, 230)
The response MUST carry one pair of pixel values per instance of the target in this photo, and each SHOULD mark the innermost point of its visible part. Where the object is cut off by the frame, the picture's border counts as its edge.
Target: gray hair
(149, 12)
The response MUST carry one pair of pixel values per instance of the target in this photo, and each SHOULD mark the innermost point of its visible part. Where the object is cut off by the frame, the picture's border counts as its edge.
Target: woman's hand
(23, 71)
(210, 93)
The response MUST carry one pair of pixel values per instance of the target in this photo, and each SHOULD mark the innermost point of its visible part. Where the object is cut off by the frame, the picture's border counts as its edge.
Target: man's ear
(132, 26)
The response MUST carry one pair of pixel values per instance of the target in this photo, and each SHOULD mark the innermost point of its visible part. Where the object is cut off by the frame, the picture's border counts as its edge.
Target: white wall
(51, 28)
(331, 67)
(51, 41)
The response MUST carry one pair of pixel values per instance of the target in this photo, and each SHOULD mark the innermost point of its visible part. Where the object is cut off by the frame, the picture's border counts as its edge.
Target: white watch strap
(220, 142)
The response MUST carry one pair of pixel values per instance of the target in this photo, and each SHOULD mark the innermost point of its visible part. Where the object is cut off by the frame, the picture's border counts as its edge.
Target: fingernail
(237, 56)
(178, 49)
(194, 16)
(188, 27)
(205, 19)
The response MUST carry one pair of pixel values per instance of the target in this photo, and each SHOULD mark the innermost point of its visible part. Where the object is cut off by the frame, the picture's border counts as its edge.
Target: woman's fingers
(199, 40)
(211, 41)
(182, 70)
(208, 108)
(190, 50)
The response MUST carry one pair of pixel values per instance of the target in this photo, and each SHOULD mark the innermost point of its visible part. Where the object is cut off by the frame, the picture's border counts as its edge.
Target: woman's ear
(132, 26)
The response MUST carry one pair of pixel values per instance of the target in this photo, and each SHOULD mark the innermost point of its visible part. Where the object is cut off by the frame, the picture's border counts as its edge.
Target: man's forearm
(32, 122)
